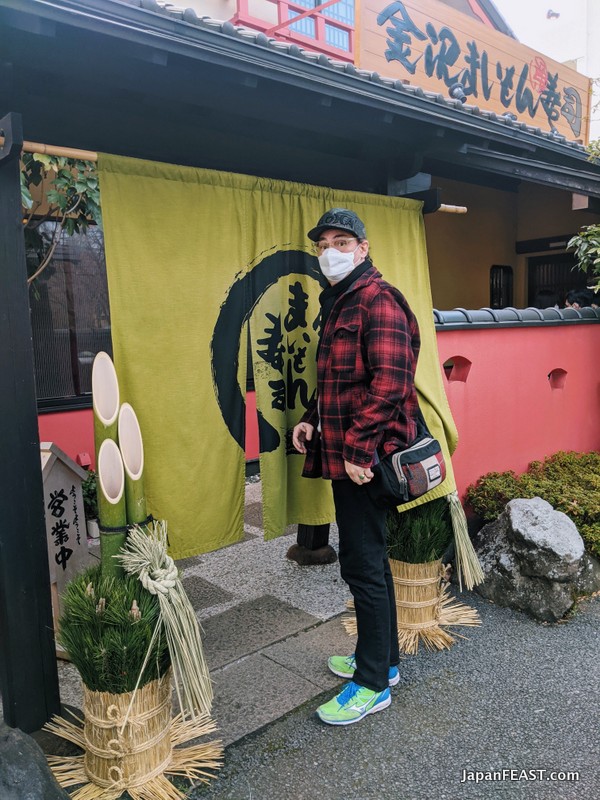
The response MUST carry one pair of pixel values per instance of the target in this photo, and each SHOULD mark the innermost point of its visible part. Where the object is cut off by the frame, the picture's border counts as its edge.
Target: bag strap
(422, 429)
(422, 432)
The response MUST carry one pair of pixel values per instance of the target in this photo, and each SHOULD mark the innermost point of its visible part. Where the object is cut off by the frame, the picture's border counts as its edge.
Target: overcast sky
(522, 15)
(528, 20)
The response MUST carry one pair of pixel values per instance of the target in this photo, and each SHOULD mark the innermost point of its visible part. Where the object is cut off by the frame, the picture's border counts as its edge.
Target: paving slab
(253, 514)
(71, 687)
(250, 626)
(254, 692)
(256, 568)
(204, 594)
(306, 653)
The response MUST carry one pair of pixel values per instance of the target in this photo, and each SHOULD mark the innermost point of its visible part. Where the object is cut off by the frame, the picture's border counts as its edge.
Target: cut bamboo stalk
(132, 452)
(448, 209)
(55, 150)
(105, 398)
(111, 506)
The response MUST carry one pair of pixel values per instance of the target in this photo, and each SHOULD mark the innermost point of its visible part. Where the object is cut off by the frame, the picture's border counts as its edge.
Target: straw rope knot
(161, 580)
(117, 779)
(117, 747)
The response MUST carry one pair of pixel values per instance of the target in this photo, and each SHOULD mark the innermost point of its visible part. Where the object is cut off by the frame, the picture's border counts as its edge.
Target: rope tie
(416, 626)
(159, 581)
(119, 748)
(118, 782)
(419, 603)
(114, 719)
(415, 581)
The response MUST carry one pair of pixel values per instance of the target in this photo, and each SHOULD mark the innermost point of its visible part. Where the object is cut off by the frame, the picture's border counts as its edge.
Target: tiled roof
(222, 27)
(513, 317)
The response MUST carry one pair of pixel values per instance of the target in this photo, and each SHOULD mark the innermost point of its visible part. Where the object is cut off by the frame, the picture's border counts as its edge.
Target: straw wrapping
(419, 626)
(418, 604)
(119, 757)
(194, 762)
(415, 581)
(424, 607)
(114, 717)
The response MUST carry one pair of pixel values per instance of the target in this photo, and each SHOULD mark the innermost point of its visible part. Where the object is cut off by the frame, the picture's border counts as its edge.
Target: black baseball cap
(343, 220)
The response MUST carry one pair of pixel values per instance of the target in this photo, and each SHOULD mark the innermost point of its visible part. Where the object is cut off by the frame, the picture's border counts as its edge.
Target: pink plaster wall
(506, 411)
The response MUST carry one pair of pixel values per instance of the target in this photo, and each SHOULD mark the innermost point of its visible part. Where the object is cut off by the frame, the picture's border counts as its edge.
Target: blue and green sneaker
(345, 666)
(352, 704)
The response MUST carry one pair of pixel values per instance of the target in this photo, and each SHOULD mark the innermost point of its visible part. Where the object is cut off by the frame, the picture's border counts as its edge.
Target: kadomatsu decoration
(417, 539)
(127, 626)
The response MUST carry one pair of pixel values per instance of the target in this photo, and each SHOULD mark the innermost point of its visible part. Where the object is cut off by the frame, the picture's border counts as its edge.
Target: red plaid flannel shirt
(366, 398)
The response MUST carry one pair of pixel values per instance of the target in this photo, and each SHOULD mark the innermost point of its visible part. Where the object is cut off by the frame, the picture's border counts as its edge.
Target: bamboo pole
(452, 209)
(111, 507)
(89, 155)
(54, 150)
(105, 400)
(132, 452)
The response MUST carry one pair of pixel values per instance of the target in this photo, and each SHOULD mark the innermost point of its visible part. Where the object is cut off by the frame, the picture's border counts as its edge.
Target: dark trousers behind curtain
(365, 568)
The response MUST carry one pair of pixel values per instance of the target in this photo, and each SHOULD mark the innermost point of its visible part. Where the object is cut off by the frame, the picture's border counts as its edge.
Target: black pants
(365, 568)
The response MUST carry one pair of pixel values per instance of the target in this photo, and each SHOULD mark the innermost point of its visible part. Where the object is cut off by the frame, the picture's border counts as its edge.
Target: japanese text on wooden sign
(435, 47)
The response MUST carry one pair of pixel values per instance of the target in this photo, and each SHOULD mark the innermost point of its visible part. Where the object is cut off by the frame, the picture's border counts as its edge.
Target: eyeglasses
(339, 244)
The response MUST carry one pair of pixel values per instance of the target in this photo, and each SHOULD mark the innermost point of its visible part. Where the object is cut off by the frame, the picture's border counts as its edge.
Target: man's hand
(360, 475)
(303, 432)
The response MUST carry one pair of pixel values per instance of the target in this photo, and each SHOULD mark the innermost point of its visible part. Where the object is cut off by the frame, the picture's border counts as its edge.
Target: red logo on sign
(538, 74)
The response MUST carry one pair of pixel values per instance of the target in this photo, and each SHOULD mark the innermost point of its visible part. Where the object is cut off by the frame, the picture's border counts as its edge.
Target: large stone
(24, 772)
(533, 560)
(588, 577)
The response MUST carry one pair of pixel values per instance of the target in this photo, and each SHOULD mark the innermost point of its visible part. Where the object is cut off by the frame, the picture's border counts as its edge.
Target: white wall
(217, 9)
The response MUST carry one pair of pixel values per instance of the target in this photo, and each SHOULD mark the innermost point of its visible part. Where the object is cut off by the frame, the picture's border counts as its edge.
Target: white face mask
(336, 265)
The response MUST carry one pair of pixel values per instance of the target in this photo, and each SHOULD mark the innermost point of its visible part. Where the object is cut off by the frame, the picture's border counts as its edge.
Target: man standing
(365, 407)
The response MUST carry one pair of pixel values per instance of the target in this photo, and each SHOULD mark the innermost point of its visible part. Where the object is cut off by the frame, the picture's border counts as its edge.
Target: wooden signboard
(65, 519)
(434, 46)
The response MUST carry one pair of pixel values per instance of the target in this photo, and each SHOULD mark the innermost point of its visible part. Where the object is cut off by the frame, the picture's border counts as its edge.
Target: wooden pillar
(28, 673)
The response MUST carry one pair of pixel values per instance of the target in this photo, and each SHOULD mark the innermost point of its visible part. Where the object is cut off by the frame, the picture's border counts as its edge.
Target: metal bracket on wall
(11, 129)
(417, 187)
(419, 182)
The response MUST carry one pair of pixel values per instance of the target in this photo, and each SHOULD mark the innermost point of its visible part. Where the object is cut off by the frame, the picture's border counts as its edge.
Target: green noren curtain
(204, 266)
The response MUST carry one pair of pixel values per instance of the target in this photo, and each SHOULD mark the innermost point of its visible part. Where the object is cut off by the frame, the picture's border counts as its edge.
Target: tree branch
(54, 245)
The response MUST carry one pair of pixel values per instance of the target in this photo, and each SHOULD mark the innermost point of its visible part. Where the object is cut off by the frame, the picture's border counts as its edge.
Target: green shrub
(420, 534)
(570, 482)
(90, 495)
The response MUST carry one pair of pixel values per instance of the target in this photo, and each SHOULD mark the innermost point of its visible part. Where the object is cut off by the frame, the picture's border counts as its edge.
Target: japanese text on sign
(529, 89)
(60, 529)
